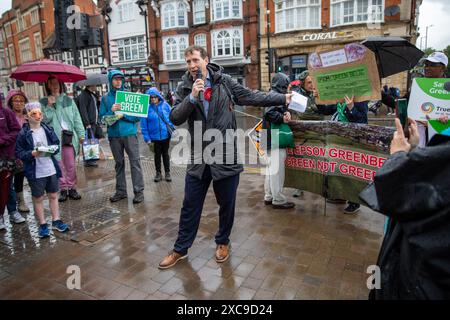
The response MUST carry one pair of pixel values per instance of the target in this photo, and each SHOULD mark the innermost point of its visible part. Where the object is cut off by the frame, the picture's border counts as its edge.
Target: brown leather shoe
(171, 259)
(222, 253)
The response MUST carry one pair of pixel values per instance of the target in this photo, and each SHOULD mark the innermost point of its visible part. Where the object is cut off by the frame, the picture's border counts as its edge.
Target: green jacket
(66, 110)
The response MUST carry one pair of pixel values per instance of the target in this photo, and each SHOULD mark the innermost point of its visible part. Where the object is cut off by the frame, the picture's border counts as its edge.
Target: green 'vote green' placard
(133, 104)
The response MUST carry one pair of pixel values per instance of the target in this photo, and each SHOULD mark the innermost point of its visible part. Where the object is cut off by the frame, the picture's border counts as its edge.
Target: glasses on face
(153, 97)
(432, 64)
(35, 113)
(18, 101)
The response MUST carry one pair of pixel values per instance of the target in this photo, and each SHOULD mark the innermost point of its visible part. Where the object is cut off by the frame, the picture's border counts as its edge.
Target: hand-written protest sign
(335, 159)
(353, 81)
(348, 71)
(133, 104)
(428, 98)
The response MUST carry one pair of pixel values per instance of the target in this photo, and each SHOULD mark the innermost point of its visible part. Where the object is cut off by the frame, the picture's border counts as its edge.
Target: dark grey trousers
(131, 146)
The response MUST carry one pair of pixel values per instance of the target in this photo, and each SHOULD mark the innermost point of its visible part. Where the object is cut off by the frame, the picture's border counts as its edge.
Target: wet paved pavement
(276, 254)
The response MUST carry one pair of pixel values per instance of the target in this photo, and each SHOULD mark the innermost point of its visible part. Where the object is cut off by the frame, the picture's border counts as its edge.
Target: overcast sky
(436, 13)
(432, 12)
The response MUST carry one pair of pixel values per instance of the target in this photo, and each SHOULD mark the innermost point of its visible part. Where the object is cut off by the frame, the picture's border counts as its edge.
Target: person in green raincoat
(61, 113)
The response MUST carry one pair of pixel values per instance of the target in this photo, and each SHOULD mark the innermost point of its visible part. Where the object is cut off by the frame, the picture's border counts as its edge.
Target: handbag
(172, 131)
(339, 115)
(66, 137)
(98, 131)
(282, 134)
(90, 147)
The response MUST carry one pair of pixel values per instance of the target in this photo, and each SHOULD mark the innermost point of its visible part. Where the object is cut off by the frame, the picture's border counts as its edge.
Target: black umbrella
(393, 54)
(93, 79)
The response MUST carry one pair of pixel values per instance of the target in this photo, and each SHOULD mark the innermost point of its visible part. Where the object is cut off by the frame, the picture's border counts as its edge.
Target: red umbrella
(40, 71)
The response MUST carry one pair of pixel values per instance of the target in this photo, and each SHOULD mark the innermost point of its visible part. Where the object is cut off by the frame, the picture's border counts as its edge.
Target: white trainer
(16, 217)
(2, 224)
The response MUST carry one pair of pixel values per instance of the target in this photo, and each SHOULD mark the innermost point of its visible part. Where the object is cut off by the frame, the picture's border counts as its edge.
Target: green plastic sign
(133, 104)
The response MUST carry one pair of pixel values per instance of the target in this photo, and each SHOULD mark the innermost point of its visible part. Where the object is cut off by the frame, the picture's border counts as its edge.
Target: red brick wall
(250, 32)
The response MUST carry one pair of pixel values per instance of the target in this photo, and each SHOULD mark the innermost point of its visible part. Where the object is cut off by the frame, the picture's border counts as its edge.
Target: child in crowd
(36, 146)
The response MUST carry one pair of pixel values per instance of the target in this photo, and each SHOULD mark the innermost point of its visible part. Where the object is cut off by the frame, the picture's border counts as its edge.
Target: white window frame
(335, 3)
(171, 19)
(68, 57)
(203, 43)
(8, 29)
(282, 12)
(34, 16)
(38, 45)
(198, 6)
(20, 22)
(218, 6)
(235, 37)
(126, 12)
(3, 59)
(176, 53)
(93, 57)
(12, 55)
(32, 90)
(25, 51)
(137, 50)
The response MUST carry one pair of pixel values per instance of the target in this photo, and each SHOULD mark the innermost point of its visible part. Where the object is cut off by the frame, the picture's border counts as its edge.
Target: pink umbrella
(40, 71)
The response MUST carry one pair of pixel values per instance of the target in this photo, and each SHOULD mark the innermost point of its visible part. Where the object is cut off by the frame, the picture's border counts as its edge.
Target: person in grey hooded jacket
(205, 99)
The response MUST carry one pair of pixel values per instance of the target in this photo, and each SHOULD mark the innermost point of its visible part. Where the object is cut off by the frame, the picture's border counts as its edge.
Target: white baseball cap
(439, 57)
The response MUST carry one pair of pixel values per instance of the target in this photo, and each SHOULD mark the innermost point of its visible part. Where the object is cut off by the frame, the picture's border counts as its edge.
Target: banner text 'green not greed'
(133, 104)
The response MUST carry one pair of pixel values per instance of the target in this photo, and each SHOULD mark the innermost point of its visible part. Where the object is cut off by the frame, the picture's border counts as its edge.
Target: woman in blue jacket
(157, 129)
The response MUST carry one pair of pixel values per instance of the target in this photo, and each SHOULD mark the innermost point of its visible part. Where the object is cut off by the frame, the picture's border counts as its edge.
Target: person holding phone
(412, 189)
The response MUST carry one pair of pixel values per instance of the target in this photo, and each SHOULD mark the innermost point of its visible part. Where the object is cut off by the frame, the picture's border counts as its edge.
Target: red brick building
(25, 28)
(228, 29)
(300, 27)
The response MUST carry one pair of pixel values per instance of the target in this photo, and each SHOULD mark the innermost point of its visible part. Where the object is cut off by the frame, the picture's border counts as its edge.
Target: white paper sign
(333, 58)
(298, 102)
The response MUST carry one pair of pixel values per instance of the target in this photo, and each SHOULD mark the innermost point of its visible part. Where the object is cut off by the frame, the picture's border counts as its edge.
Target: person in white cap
(435, 65)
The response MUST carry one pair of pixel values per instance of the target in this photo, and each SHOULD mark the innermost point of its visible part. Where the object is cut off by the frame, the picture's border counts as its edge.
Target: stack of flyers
(47, 151)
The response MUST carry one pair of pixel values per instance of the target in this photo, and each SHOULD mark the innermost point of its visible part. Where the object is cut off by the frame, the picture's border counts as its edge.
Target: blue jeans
(195, 191)
(12, 200)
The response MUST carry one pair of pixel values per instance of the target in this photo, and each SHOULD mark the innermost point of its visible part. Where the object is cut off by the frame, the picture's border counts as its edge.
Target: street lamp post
(426, 35)
(105, 13)
(268, 36)
(143, 12)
